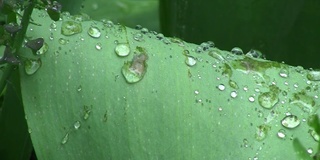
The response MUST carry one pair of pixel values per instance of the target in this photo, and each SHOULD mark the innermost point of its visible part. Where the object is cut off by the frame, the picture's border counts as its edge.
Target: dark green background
(284, 30)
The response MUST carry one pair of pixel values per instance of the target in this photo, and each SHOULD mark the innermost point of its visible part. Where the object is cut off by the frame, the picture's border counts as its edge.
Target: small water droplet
(234, 94)
(65, 138)
(122, 49)
(268, 99)
(313, 75)
(98, 46)
(138, 37)
(314, 135)
(284, 73)
(29, 130)
(53, 25)
(69, 28)
(251, 99)
(144, 30)
(79, 88)
(281, 133)
(63, 41)
(87, 112)
(190, 61)
(31, 66)
(94, 32)
(237, 51)
(221, 87)
(245, 143)
(196, 92)
(109, 24)
(310, 150)
(77, 125)
(134, 70)
(290, 121)
(262, 132)
(160, 36)
(233, 84)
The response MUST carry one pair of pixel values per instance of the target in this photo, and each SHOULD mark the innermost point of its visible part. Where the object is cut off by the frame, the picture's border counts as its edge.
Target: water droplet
(310, 150)
(79, 88)
(216, 55)
(29, 130)
(290, 121)
(314, 135)
(77, 125)
(94, 32)
(53, 25)
(221, 87)
(237, 51)
(122, 49)
(245, 143)
(196, 92)
(255, 54)
(87, 112)
(313, 75)
(138, 37)
(109, 24)
(134, 70)
(43, 49)
(281, 133)
(31, 66)
(69, 28)
(160, 36)
(65, 138)
(268, 99)
(166, 41)
(190, 61)
(138, 27)
(144, 30)
(233, 84)
(262, 132)
(284, 73)
(63, 41)
(98, 46)
(251, 99)
(234, 94)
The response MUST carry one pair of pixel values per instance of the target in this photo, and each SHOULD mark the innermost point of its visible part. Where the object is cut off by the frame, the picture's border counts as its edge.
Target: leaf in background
(193, 102)
(14, 137)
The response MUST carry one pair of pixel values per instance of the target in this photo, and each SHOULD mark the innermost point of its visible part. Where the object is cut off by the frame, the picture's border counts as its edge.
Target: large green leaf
(80, 106)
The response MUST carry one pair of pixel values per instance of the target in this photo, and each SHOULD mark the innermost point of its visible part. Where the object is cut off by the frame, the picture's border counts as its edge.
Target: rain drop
(122, 49)
(79, 88)
(87, 112)
(237, 51)
(281, 134)
(221, 87)
(313, 75)
(65, 139)
(31, 66)
(268, 99)
(43, 49)
(94, 32)
(138, 37)
(62, 41)
(134, 70)
(77, 125)
(98, 46)
(262, 132)
(251, 99)
(234, 94)
(69, 28)
(314, 134)
(290, 121)
(284, 73)
(190, 61)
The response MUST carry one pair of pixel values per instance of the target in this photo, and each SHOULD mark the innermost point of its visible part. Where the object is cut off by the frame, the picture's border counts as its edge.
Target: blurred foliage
(126, 12)
(282, 30)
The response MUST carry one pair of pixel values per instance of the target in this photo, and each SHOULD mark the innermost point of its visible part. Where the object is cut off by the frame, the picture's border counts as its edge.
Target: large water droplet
(134, 70)
(65, 138)
(94, 32)
(190, 61)
(262, 132)
(268, 99)
(31, 66)
(313, 75)
(255, 54)
(290, 121)
(122, 49)
(69, 28)
(77, 125)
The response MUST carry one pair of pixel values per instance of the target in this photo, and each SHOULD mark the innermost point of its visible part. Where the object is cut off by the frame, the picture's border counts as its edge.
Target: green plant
(97, 90)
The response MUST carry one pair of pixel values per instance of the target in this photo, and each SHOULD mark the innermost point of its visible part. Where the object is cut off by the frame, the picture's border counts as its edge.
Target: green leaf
(192, 102)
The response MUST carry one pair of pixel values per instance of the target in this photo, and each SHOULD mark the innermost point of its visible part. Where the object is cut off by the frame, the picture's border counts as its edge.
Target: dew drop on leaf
(262, 132)
(190, 61)
(122, 49)
(43, 49)
(69, 28)
(77, 125)
(290, 121)
(31, 66)
(281, 134)
(94, 32)
(134, 70)
(237, 51)
(313, 75)
(98, 46)
(268, 99)
(65, 139)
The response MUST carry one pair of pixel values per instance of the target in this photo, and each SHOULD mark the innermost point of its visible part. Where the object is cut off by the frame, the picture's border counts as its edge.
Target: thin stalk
(18, 40)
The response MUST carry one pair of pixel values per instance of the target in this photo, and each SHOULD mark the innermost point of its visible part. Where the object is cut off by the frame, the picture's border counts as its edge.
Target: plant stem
(18, 42)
